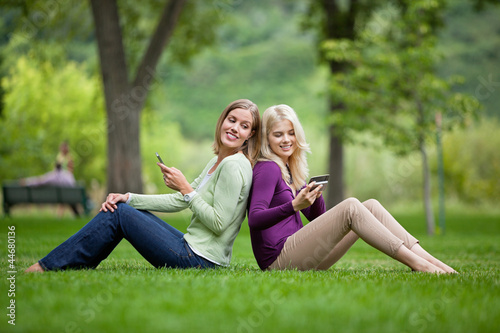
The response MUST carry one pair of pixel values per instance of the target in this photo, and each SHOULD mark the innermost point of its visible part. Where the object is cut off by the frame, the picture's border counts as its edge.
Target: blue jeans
(158, 242)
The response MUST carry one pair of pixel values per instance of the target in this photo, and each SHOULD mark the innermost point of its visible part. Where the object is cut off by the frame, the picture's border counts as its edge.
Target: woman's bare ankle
(415, 262)
(35, 268)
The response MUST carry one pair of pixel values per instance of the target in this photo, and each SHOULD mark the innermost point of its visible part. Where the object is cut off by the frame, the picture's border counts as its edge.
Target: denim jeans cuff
(43, 266)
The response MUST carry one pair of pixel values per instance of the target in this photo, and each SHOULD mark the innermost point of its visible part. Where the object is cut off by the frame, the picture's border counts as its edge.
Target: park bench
(14, 193)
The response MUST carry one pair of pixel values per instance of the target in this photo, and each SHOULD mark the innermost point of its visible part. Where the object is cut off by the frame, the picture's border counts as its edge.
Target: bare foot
(35, 268)
(428, 267)
(443, 266)
(419, 250)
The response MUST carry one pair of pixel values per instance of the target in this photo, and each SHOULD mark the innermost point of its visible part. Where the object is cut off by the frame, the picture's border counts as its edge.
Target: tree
(337, 20)
(125, 99)
(392, 90)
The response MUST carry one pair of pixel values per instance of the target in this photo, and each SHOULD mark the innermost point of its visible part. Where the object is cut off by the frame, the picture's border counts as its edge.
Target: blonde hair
(251, 147)
(297, 161)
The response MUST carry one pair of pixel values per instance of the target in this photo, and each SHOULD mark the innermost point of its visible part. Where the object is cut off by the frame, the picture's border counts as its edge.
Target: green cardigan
(218, 209)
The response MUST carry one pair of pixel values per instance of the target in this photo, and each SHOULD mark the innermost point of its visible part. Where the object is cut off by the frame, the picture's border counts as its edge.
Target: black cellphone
(159, 159)
(320, 180)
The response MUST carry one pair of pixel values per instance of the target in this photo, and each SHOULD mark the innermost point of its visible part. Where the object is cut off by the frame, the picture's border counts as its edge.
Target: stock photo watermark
(422, 319)
(404, 170)
(40, 18)
(135, 97)
(226, 7)
(486, 87)
(11, 275)
(263, 310)
(91, 308)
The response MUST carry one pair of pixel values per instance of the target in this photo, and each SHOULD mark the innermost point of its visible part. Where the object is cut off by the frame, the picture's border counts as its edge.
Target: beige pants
(323, 241)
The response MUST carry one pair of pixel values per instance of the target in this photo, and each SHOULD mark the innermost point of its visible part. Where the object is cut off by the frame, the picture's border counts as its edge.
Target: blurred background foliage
(51, 91)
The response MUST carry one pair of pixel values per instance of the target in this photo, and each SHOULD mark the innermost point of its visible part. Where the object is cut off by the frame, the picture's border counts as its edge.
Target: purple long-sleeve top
(271, 216)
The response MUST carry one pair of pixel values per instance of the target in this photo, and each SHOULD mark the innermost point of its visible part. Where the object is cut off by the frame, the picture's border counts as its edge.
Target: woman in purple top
(279, 194)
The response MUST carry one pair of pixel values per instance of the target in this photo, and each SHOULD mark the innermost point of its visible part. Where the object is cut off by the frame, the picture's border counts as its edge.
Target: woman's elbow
(253, 222)
(218, 229)
(251, 219)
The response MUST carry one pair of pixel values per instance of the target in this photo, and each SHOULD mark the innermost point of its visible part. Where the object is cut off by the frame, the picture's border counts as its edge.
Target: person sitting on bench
(62, 175)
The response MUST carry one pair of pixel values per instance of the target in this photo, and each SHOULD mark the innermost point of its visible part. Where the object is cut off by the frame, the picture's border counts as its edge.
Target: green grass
(364, 292)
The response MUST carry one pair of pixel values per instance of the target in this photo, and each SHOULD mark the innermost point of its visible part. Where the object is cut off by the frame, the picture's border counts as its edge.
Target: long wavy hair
(251, 147)
(298, 160)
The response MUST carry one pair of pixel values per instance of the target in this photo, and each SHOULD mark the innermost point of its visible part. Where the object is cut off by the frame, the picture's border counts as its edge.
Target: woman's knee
(122, 213)
(371, 203)
(351, 201)
(351, 206)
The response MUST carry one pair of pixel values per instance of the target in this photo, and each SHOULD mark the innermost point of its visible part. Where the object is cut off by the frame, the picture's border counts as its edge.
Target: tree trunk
(125, 101)
(336, 170)
(429, 215)
(124, 166)
(337, 24)
(439, 146)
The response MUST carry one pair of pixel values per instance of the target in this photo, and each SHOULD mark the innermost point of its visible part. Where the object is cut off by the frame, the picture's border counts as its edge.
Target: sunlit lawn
(365, 292)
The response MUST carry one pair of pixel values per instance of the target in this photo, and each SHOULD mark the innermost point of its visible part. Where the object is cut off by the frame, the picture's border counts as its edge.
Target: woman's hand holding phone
(307, 196)
(174, 178)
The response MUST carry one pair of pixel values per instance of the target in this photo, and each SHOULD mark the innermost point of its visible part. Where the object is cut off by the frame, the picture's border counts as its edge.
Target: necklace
(290, 178)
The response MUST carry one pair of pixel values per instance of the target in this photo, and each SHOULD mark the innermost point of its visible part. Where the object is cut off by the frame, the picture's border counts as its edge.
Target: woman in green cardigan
(217, 199)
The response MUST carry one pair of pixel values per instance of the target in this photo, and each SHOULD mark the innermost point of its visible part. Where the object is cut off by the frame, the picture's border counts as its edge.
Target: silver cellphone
(320, 180)
(159, 159)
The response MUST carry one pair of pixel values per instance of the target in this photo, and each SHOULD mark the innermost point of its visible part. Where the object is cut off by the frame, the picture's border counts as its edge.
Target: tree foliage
(393, 63)
(473, 52)
(472, 163)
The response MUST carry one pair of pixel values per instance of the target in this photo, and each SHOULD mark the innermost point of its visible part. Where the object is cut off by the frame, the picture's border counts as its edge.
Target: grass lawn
(364, 292)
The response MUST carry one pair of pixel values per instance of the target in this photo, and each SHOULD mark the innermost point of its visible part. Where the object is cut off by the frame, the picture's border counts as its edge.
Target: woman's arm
(226, 196)
(160, 203)
(265, 180)
(168, 203)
